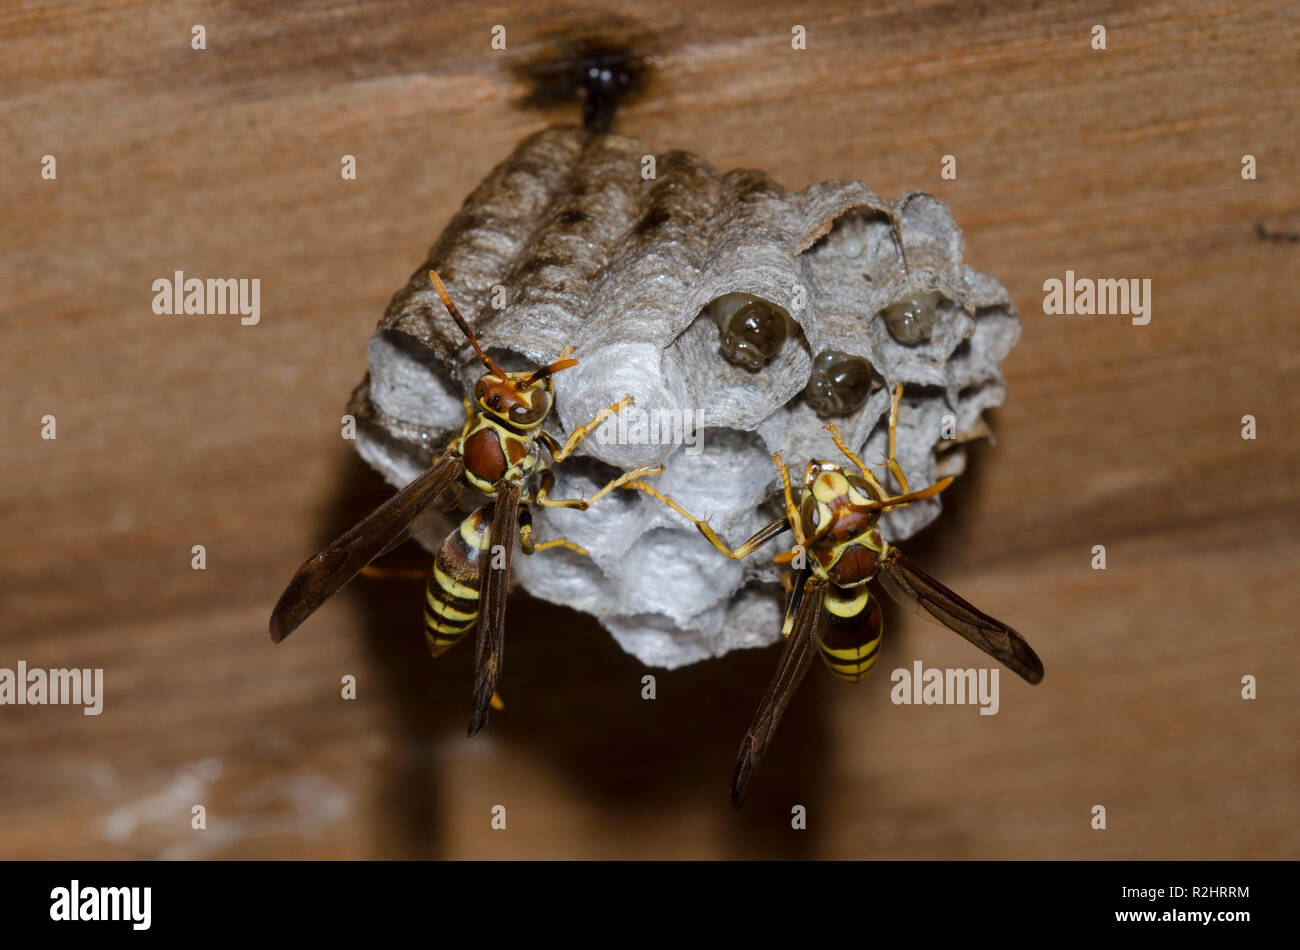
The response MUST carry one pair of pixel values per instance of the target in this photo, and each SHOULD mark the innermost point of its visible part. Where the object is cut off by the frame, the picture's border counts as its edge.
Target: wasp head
(514, 398)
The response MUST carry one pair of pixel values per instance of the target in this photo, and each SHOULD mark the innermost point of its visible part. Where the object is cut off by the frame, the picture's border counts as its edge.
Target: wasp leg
(764, 534)
(905, 496)
(791, 510)
(560, 453)
(867, 474)
(562, 543)
(548, 482)
(892, 462)
(529, 546)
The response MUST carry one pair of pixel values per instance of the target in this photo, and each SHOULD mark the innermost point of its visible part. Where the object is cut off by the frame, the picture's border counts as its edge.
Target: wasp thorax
(910, 319)
(751, 329)
(840, 383)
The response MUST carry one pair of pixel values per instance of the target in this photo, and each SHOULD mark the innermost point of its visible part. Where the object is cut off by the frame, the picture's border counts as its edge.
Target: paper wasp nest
(568, 242)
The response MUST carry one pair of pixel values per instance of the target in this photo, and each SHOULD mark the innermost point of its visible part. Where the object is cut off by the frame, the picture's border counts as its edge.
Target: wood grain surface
(173, 432)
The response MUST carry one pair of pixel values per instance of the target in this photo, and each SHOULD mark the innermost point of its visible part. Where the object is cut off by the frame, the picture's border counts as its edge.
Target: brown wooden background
(175, 432)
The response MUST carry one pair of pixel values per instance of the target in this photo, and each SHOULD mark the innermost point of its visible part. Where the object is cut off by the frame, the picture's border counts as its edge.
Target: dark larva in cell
(750, 329)
(840, 383)
(910, 319)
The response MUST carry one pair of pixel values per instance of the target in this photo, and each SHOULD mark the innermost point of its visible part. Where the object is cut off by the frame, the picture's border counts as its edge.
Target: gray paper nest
(590, 253)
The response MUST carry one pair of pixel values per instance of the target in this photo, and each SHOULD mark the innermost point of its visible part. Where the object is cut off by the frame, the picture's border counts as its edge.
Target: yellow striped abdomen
(850, 639)
(452, 597)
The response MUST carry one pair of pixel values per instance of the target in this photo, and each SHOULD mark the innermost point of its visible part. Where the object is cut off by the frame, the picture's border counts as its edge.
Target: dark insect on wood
(498, 452)
(830, 610)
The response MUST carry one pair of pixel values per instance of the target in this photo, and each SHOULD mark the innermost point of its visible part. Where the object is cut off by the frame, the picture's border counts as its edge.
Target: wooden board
(173, 432)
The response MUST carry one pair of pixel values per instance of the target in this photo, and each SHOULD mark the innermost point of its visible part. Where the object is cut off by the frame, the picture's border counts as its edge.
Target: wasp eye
(809, 514)
(860, 485)
(839, 383)
(910, 319)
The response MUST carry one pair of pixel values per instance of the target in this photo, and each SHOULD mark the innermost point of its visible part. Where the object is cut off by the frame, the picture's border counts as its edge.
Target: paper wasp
(497, 452)
(830, 609)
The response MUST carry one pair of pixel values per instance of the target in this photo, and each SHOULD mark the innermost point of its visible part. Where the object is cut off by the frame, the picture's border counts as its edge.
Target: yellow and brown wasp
(838, 549)
(497, 452)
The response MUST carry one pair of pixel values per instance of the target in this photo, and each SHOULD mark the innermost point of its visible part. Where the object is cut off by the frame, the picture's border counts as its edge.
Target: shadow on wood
(574, 700)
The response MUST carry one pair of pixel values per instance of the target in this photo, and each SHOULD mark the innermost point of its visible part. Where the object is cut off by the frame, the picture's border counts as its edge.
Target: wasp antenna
(464, 327)
(897, 501)
(546, 371)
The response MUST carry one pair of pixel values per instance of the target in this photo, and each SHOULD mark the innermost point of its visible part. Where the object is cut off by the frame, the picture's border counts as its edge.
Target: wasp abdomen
(452, 598)
(850, 638)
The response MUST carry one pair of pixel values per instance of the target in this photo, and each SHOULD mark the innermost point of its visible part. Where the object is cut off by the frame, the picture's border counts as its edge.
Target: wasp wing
(914, 589)
(320, 577)
(804, 614)
(495, 584)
